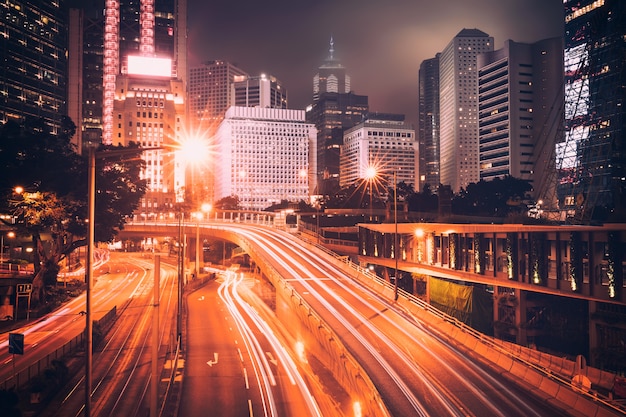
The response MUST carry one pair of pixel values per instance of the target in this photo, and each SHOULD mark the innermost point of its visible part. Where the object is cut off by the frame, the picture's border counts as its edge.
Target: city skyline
(385, 42)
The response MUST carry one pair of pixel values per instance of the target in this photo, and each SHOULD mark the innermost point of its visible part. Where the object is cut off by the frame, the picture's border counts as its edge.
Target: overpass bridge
(449, 251)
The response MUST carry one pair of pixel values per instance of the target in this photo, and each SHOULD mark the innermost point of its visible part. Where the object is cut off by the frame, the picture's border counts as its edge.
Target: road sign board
(16, 343)
(24, 288)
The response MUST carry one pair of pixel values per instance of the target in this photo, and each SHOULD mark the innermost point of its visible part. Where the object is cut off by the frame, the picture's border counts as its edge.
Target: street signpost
(23, 290)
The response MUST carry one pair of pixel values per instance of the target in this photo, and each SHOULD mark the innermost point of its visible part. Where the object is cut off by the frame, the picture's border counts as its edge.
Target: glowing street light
(204, 209)
(370, 175)
(10, 235)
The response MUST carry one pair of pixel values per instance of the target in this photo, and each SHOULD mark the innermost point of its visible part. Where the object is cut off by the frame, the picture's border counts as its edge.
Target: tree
(227, 203)
(499, 197)
(51, 205)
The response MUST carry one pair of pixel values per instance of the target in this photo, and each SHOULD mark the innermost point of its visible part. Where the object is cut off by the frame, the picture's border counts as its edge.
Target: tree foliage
(51, 207)
(499, 197)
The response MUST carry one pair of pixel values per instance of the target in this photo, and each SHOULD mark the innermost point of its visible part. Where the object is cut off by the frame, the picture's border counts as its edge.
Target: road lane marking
(214, 361)
(245, 377)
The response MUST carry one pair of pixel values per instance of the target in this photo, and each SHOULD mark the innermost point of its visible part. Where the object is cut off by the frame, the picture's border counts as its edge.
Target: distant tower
(458, 84)
(334, 109)
(210, 93)
(428, 125)
(332, 77)
(261, 91)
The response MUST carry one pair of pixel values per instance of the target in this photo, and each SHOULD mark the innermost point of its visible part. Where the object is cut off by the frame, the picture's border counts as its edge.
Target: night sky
(380, 42)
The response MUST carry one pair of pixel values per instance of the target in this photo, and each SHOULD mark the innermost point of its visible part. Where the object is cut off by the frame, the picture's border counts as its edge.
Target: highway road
(234, 364)
(121, 370)
(417, 371)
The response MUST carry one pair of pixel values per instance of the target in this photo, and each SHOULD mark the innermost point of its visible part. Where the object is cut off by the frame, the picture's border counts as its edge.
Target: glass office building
(33, 42)
(591, 159)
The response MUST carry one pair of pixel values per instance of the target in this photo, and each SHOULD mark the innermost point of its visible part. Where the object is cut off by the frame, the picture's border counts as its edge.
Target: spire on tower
(331, 50)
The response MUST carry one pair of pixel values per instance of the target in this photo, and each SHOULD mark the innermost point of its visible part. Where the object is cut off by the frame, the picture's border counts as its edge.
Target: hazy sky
(380, 42)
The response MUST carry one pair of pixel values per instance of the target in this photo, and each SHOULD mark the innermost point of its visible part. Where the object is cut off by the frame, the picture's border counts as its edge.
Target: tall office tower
(334, 109)
(266, 156)
(148, 28)
(382, 142)
(520, 97)
(261, 91)
(33, 41)
(210, 94)
(149, 109)
(209, 97)
(332, 76)
(591, 157)
(458, 108)
(144, 92)
(428, 125)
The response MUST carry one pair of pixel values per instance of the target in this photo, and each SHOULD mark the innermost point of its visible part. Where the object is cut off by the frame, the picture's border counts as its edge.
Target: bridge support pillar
(520, 318)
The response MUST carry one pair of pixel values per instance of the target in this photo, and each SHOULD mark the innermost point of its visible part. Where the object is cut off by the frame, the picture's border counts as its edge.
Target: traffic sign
(24, 288)
(16, 343)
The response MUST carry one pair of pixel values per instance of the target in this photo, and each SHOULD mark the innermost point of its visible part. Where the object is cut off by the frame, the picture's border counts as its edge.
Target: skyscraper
(331, 76)
(334, 109)
(520, 97)
(210, 93)
(591, 155)
(260, 91)
(147, 28)
(265, 156)
(33, 79)
(382, 142)
(428, 124)
(458, 84)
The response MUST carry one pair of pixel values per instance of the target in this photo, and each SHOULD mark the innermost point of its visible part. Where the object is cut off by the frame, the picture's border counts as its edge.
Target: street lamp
(395, 235)
(91, 220)
(205, 208)
(370, 175)
(10, 235)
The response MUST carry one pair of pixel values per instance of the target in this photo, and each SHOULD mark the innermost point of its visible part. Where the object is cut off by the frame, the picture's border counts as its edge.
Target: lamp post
(395, 235)
(9, 235)
(204, 209)
(370, 175)
(91, 203)
(181, 272)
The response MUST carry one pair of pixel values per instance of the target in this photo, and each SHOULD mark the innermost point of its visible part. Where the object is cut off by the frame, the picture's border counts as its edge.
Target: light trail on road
(433, 376)
(229, 294)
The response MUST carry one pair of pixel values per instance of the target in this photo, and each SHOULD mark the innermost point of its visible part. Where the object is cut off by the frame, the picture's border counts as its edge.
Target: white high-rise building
(266, 156)
(458, 87)
(382, 142)
(520, 95)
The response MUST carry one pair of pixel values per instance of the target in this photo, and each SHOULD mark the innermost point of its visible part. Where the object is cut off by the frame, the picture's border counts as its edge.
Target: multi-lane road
(415, 369)
(243, 359)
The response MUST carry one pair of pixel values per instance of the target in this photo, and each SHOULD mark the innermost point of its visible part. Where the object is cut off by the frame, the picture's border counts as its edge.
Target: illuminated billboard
(149, 66)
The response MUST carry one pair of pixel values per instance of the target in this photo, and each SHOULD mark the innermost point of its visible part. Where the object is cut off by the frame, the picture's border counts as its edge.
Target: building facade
(148, 28)
(331, 76)
(519, 111)
(591, 155)
(382, 143)
(458, 108)
(33, 44)
(334, 109)
(150, 111)
(266, 157)
(428, 128)
(260, 91)
(210, 93)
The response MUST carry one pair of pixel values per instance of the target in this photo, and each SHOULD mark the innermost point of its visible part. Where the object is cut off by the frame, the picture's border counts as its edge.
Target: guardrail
(493, 349)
